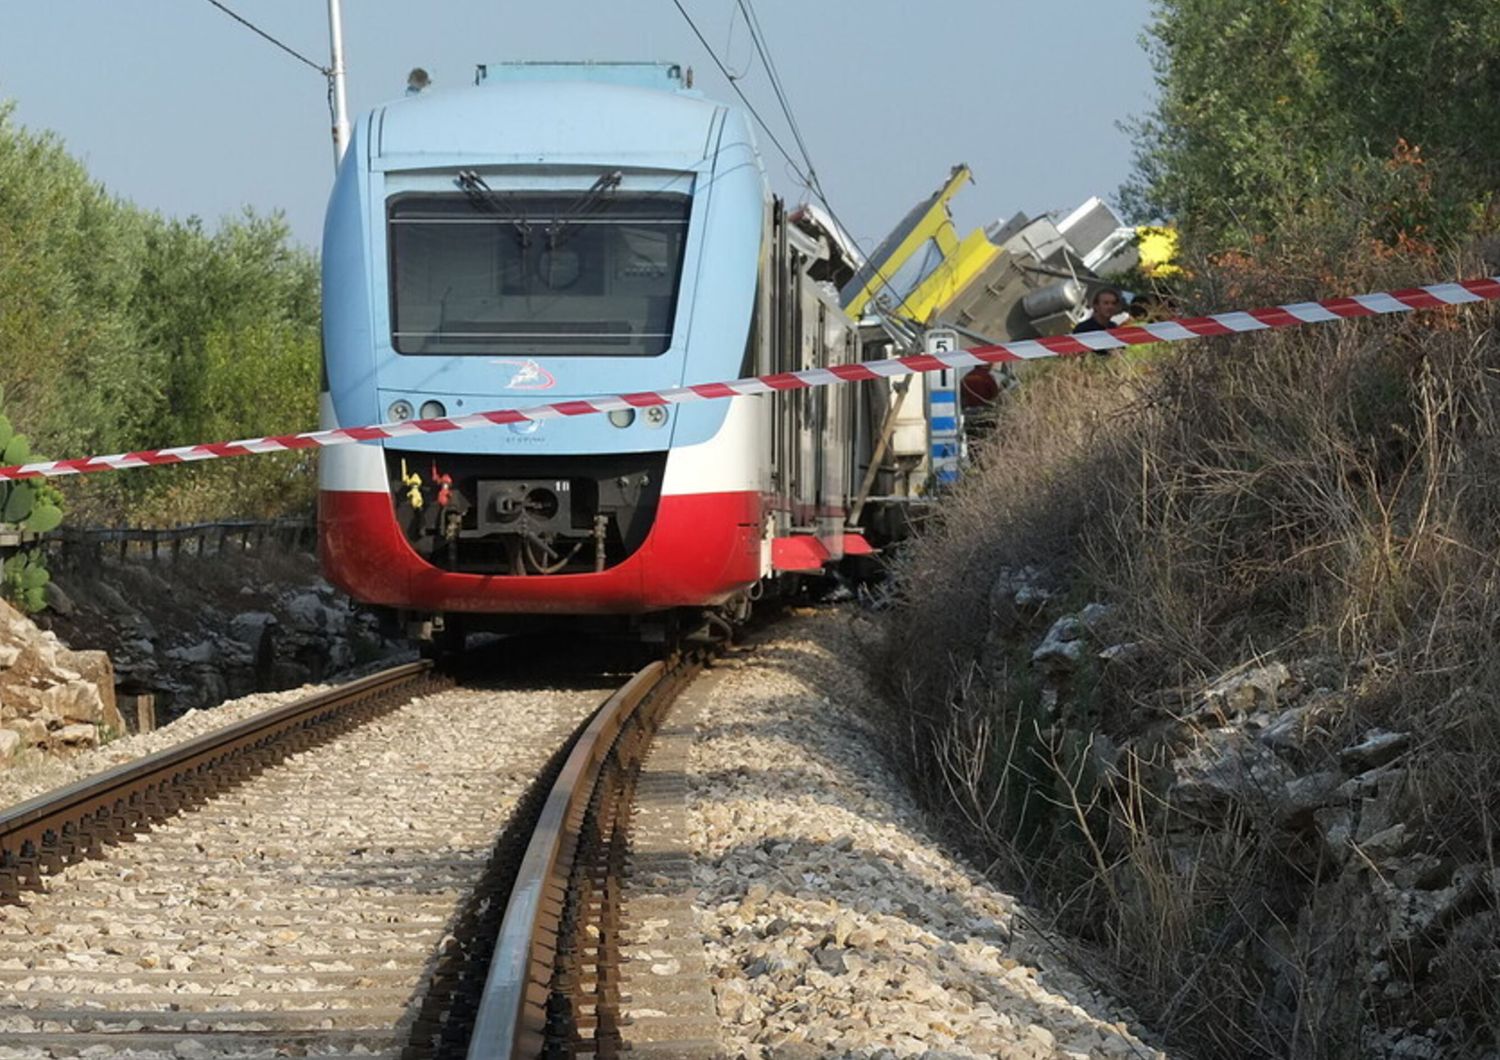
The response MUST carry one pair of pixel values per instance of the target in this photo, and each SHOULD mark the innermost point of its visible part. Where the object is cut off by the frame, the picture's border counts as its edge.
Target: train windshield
(557, 274)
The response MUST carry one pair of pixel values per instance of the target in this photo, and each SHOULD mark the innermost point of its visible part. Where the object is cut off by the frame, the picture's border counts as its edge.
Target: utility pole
(336, 83)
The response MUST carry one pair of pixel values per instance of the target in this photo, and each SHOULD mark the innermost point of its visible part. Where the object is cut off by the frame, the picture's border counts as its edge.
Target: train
(561, 231)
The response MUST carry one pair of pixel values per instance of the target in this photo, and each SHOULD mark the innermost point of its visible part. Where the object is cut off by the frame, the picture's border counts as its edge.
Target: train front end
(553, 233)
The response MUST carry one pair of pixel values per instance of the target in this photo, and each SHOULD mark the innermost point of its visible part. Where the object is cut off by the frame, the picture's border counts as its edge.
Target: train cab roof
(545, 113)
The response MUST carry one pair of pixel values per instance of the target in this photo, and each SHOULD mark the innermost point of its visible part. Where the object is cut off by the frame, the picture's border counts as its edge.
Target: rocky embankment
(1268, 788)
(51, 696)
(189, 634)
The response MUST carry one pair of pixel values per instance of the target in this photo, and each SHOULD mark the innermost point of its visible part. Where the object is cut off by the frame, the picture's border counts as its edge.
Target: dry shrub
(1325, 495)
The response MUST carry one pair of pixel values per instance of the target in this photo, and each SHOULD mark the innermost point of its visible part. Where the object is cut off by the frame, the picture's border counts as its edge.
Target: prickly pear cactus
(34, 505)
(24, 578)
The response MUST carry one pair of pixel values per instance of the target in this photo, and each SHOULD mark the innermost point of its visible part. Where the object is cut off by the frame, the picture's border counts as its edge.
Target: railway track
(200, 902)
(554, 981)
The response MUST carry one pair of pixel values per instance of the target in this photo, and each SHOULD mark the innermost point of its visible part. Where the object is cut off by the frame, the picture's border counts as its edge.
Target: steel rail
(63, 826)
(512, 1017)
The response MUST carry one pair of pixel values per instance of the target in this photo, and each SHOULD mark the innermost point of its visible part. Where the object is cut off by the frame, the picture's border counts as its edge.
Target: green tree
(122, 330)
(200, 297)
(1269, 112)
(69, 258)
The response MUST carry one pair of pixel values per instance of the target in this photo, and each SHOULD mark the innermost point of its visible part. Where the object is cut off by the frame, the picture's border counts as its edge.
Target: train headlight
(434, 410)
(622, 417)
(399, 412)
(656, 416)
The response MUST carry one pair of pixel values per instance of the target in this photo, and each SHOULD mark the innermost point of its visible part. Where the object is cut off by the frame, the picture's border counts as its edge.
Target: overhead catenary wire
(809, 179)
(734, 84)
(757, 37)
(293, 52)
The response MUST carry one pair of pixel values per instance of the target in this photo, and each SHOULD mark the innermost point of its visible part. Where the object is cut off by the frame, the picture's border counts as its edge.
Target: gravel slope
(836, 925)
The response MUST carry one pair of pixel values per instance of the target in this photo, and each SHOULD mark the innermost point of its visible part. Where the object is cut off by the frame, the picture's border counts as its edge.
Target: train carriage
(560, 232)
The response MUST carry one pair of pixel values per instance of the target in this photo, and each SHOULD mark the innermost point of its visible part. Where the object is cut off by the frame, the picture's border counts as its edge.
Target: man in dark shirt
(1107, 305)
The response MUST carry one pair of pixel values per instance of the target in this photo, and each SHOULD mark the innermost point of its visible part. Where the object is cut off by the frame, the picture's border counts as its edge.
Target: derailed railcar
(557, 233)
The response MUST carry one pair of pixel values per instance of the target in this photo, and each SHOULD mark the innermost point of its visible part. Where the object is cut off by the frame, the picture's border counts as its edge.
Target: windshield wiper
(587, 203)
(483, 197)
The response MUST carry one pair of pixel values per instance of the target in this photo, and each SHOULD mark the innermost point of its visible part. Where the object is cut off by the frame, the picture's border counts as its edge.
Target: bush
(1329, 494)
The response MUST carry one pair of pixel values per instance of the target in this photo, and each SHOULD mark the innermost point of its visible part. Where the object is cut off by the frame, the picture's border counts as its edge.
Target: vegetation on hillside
(1324, 498)
(1271, 115)
(123, 330)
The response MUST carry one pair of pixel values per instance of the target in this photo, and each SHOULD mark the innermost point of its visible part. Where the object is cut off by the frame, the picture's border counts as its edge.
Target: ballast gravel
(34, 773)
(296, 914)
(835, 924)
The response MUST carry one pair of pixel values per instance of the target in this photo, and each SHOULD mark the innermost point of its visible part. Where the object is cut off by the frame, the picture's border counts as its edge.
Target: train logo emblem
(526, 375)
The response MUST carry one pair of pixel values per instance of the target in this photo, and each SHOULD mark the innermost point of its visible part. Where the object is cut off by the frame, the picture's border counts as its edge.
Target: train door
(808, 402)
(783, 313)
(831, 433)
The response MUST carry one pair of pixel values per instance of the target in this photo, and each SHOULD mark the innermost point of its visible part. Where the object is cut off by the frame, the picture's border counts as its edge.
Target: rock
(340, 655)
(251, 626)
(9, 653)
(1247, 692)
(110, 597)
(1337, 825)
(136, 663)
(58, 599)
(1376, 749)
(78, 700)
(288, 673)
(1369, 782)
(10, 743)
(1421, 872)
(1232, 770)
(36, 661)
(1288, 730)
(1416, 1047)
(1041, 1035)
(137, 626)
(1093, 617)
(76, 736)
(1300, 796)
(830, 959)
(1124, 654)
(24, 700)
(95, 668)
(204, 653)
(1062, 647)
(307, 613)
(1388, 842)
(843, 927)
(1021, 588)
(33, 733)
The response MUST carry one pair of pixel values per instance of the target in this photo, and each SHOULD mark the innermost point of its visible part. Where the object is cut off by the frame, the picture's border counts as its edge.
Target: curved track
(553, 986)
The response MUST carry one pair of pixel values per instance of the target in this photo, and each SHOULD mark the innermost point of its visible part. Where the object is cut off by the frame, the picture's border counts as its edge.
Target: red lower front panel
(701, 549)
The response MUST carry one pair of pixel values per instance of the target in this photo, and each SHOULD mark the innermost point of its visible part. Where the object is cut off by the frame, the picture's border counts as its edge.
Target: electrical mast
(336, 83)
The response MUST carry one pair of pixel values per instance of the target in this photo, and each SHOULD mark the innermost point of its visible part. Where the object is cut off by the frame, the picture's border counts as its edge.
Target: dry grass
(1327, 496)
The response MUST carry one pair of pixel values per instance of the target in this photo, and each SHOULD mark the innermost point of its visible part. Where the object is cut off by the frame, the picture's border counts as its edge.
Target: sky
(178, 108)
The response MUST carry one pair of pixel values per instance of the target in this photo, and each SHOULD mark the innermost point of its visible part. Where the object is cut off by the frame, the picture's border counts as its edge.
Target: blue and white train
(566, 231)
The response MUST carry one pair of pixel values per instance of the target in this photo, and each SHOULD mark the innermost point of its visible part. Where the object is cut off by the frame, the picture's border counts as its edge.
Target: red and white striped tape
(1282, 316)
